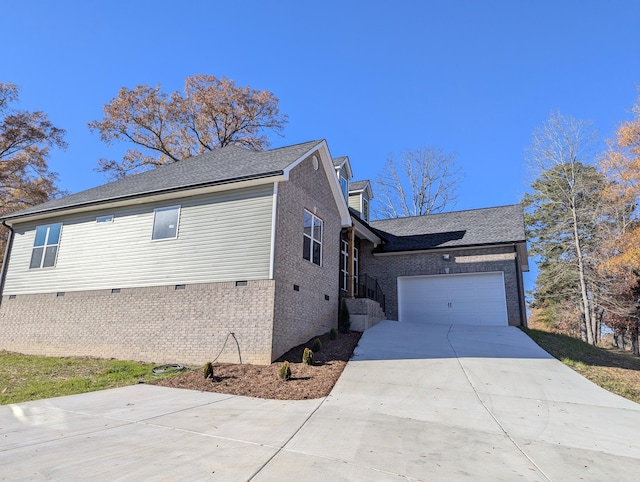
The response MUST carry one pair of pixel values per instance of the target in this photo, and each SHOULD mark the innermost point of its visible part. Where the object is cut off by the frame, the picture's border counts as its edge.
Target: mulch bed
(263, 381)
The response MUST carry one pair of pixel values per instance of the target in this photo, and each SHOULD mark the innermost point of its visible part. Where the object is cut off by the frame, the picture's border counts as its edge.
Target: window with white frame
(344, 185)
(344, 266)
(355, 267)
(365, 208)
(312, 246)
(45, 246)
(165, 223)
(104, 219)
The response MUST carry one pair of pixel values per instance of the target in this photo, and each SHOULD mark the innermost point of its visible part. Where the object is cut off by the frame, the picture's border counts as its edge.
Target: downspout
(5, 260)
(523, 312)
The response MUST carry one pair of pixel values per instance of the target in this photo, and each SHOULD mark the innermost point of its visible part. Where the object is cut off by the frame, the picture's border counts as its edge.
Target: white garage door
(470, 299)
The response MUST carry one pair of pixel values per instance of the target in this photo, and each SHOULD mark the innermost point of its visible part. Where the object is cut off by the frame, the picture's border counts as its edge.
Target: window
(45, 246)
(312, 247)
(365, 209)
(104, 219)
(355, 267)
(344, 266)
(165, 223)
(344, 185)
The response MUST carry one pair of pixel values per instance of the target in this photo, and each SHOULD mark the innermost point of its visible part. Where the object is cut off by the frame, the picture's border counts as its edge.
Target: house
(240, 255)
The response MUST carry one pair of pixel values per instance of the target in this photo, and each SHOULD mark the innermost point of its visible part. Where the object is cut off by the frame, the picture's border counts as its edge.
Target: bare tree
(166, 128)
(25, 142)
(419, 182)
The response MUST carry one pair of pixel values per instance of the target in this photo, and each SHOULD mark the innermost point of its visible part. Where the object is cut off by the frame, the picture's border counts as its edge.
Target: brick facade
(154, 324)
(301, 315)
(387, 268)
(191, 323)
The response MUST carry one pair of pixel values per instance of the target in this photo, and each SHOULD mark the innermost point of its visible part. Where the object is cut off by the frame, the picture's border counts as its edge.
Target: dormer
(344, 174)
(360, 196)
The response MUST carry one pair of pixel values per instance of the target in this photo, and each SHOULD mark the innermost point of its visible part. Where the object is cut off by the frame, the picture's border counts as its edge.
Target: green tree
(166, 128)
(564, 210)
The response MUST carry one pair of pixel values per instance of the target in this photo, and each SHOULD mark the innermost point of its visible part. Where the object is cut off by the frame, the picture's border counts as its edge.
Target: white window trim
(344, 268)
(312, 240)
(344, 187)
(356, 267)
(45, 246)
(364, 212)
(153, 227)
(104, 219)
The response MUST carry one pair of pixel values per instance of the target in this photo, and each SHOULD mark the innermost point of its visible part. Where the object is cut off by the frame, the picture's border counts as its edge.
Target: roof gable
(356, 187)
(343, 164)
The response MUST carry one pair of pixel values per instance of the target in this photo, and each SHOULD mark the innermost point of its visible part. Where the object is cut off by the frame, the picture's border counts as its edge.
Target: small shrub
(316, 346)
(344, 321)
(333, 334)
(307, 356)
(285, 371)
(208, 370)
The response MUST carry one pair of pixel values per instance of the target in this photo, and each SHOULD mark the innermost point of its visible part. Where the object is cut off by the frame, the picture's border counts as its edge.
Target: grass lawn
(613, 370)
(26, 377)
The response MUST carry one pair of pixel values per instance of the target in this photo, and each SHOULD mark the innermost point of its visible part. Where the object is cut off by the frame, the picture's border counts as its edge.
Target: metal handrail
(365, 286)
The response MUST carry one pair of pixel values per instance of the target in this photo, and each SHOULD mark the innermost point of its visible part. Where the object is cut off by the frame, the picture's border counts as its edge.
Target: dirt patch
(262, 381)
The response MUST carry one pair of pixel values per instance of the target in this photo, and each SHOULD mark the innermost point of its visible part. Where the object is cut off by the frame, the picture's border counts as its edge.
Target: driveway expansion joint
(490, 412)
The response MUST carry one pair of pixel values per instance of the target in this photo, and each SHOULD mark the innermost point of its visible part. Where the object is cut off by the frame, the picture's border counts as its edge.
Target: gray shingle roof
(339, 160)
(497, 225)
(357, 185)
(227, 164)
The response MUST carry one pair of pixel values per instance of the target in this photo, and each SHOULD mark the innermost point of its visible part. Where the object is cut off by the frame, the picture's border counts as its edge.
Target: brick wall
(386, 270)
(300, 315)
(155, 324)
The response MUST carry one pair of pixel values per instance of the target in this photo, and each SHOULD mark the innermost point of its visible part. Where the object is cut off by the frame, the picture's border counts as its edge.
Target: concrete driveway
(417, 402)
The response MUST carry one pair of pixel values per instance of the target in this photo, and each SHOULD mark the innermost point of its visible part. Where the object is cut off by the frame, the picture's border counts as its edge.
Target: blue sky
(372, 78)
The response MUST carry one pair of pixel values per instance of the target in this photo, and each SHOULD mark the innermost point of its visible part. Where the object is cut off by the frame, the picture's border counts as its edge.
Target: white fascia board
(366, 188)
(363, 232)
(326, 161)
(145, 199)
(369, 190)
(346, 163)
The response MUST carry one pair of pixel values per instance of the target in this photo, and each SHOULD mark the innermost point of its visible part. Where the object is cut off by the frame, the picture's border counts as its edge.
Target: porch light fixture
(445, 257)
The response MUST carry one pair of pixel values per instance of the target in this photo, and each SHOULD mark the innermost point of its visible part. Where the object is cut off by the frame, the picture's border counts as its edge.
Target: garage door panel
(477, 298)
(435, 310)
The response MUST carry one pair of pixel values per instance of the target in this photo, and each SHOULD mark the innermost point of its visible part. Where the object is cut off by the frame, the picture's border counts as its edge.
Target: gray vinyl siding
(221, 237)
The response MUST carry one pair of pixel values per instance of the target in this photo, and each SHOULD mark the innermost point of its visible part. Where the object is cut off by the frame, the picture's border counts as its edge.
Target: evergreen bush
(307, 356)
(333, 334)
(285, 371)
(208, 370)
(344, 321)
(316, 346)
